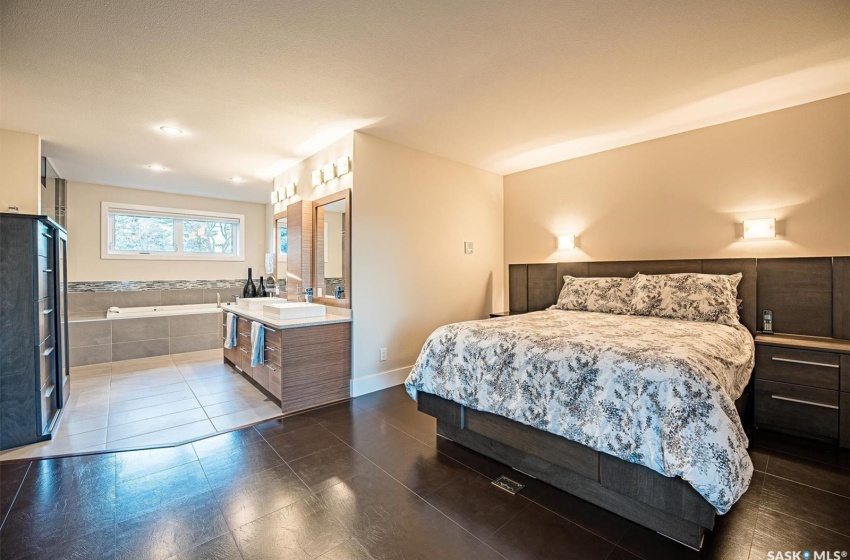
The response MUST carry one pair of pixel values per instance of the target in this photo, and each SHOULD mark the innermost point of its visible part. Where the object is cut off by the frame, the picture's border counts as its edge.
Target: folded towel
(230, 333)
(257, 343)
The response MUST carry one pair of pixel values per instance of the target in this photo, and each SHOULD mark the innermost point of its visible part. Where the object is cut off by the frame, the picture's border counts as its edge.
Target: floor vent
(508, 485)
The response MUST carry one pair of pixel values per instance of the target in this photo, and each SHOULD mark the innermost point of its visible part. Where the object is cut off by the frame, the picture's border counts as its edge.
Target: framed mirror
(281, 236)
(332, 252)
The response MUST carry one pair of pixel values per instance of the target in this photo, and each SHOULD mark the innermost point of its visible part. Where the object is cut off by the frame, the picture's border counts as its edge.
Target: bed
(636, 414)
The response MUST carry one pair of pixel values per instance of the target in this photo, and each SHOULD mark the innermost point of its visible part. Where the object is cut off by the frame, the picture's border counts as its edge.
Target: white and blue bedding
(652, 391)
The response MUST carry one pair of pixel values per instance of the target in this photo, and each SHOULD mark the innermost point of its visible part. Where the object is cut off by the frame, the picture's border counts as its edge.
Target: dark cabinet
(34, 372)
(802, 386)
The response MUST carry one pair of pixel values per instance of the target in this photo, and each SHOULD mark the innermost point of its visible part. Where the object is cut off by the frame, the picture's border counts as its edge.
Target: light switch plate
(467, 247)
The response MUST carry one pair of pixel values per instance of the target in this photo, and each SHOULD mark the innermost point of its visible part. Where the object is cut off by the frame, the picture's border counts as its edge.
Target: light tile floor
(151, 401)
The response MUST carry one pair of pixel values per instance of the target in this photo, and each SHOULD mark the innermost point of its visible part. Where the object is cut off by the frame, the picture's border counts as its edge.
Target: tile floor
(151, 401)
(368, 479)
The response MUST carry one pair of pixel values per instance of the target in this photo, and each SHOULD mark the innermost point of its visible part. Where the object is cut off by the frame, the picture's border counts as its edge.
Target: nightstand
(802, 386)
(501, 314)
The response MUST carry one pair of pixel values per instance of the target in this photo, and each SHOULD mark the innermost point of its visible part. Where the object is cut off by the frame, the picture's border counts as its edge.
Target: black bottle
(250, 290)
(261, 291)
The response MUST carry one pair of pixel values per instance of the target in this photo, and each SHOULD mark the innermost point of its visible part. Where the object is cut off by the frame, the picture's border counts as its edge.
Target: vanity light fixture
(764, 228)
(172, 130)
(290, 190)
(157, 167)
(343, 166)
(329, 172)
(316, 177)
(275, 196)
(566, 242)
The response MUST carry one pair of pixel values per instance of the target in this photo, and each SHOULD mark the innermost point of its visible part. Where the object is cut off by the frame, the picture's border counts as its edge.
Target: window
(148, 232)
(284, 241)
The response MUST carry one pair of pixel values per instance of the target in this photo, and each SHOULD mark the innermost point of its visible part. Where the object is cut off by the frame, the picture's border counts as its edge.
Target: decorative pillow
(601, 295)
(709, 298)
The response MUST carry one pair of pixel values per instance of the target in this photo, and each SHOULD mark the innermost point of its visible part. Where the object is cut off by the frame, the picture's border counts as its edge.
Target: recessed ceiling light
(237, 179)
(156, 167)
(172, 130)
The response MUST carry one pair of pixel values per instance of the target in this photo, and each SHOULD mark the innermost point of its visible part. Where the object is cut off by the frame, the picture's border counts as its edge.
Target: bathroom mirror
(281, 236)
(332, 252)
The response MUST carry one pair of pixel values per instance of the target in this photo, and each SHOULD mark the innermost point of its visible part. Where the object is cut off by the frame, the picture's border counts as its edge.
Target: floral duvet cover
(656, 392)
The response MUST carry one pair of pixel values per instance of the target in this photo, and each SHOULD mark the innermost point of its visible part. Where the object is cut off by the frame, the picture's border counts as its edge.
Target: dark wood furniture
(34, 365)
(803, 386)
(669, 506)
(501, 314)
(303, 367)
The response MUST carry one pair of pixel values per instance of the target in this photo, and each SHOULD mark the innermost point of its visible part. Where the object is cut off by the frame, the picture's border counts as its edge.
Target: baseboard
(378, 381)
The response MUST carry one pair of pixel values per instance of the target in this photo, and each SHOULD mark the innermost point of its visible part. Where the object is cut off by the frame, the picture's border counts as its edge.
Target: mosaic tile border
(141, 285)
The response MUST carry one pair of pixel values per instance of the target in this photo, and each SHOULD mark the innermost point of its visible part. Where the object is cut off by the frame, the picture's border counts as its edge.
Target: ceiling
(505, 86)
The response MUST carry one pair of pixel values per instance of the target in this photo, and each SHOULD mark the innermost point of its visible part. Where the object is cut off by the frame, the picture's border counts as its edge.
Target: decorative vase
(250, 290)
(261, 291)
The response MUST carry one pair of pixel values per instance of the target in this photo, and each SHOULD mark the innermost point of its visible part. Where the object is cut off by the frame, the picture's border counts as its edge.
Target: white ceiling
(260, 84)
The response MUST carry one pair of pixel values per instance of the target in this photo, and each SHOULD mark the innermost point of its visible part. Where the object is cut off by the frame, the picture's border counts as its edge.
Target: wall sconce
(329, 172)
(317, 178)
(760, 229)
(566, 242)
(291, 189)
(275, 196)
(343, 166)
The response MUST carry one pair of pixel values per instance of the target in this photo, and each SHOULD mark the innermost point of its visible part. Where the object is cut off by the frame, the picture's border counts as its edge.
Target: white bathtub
(161, 310)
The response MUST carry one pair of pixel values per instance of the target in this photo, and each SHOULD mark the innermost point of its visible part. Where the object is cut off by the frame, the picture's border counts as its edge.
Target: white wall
(20, 171)
(411, 213)
(85, 264)
(685, 196)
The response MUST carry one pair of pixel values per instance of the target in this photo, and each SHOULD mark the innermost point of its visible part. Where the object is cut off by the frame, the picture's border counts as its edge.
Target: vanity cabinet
(802, 386)
(303, 367)
(34, 364)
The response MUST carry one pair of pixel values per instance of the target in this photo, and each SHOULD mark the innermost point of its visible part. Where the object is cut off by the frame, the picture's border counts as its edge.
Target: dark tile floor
(368, 479)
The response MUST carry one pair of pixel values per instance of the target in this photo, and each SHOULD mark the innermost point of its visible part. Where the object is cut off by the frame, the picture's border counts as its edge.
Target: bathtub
(128, 333)
(161, 310)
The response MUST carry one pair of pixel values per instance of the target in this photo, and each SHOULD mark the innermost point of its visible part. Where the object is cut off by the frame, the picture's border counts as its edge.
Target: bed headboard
(534, 287)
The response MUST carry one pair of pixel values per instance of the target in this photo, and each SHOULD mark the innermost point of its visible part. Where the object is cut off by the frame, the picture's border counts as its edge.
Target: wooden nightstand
(802, 386)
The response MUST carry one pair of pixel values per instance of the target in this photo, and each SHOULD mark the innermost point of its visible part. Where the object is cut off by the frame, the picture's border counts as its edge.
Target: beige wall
(84, 262)
(20, 171)
(685, 196)
(411, 213)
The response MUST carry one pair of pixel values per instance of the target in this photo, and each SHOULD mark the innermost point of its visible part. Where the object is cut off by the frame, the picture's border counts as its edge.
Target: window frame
(107, 234)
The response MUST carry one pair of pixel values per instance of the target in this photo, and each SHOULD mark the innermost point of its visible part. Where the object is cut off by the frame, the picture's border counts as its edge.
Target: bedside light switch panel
(467, 247)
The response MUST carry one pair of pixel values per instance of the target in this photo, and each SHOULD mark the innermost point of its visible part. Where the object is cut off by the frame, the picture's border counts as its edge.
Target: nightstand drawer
(802, 410)
(801, 367)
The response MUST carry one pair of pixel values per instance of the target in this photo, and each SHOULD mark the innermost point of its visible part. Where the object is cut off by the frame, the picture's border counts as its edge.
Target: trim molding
(378, 381)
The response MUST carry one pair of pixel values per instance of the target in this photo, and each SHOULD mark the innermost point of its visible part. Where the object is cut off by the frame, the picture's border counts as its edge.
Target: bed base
(668, 506)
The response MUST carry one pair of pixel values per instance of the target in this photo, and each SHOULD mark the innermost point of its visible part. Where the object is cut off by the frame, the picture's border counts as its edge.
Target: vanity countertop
(342, 316)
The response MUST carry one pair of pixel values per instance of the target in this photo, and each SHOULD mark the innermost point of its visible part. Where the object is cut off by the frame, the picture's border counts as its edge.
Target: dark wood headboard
(809, 296)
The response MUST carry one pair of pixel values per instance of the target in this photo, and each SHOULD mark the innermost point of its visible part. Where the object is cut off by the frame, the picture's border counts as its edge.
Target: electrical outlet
(467, 247)
(383, 354)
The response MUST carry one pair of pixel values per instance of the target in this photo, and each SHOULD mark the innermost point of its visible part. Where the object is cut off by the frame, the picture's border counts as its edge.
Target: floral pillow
(709, 298)
(601, 295)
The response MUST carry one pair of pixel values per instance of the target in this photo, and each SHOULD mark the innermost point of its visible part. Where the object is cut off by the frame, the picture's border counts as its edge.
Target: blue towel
(230, 333)
(257, 343)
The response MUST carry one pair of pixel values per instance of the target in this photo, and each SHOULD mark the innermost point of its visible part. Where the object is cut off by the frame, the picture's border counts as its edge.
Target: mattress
(651, 391)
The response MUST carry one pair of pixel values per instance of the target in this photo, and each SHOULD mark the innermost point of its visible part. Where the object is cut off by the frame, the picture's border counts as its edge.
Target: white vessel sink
(255, 304)
(294, 310)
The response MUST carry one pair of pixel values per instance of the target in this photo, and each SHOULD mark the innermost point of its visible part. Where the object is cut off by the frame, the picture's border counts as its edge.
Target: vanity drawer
(274, 379)
(243, 325)
(261, 375)
(45, 320)
(272, 354)
(801, 367)
(272, 337)
(245, 361)
(802, 410)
